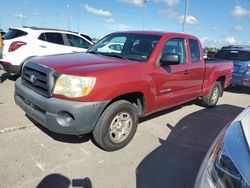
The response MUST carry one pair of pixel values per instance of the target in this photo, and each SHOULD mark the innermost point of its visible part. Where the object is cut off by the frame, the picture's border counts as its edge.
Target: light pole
(143, 16)
(185, 15)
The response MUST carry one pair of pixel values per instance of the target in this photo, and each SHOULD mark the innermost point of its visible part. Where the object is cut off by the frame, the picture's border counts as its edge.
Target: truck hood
(81, 63)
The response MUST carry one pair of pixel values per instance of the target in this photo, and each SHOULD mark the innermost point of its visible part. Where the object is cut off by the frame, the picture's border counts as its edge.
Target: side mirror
(170, 59)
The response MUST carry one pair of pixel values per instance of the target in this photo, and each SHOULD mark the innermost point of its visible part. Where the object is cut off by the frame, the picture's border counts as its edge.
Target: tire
(214, 94)
(117, 126)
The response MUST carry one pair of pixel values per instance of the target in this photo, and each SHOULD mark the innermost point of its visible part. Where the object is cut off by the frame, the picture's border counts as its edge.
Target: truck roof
(161, 33)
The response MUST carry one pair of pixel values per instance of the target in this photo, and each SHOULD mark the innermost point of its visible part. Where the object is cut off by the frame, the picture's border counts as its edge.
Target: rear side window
(77, 41)
(175, 46)
(42, 37)
(55, 38)
(14, 33)
(194, 50)
(233, 55)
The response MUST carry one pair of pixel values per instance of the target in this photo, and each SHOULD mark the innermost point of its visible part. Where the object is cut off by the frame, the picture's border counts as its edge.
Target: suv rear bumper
(241, 79)
(8, 67)
(57, 115)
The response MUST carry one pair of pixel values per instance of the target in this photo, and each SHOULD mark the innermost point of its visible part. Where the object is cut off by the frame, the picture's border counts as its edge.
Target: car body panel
(240, 56)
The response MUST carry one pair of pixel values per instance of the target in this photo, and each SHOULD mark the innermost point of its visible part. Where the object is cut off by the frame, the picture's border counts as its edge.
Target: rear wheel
(212, 98)
(116, 126)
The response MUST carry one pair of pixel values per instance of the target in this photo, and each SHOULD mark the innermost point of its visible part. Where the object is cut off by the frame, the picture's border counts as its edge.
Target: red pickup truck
(125, 76)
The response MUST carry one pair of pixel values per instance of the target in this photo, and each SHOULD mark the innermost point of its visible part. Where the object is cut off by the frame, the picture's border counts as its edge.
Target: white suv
(21, 44)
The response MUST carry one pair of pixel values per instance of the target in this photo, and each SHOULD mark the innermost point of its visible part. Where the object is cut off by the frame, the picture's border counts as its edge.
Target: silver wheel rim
(120, 127)
(215, 95)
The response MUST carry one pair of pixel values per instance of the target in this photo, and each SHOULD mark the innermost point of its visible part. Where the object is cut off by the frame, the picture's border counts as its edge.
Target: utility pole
(143, 16)
(185, 15)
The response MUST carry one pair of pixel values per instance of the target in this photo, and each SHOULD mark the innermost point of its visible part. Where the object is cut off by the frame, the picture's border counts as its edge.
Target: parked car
(240, 55)
(210, 54)
(106, 92)
(227, 163)
(204, 52)
(21, 44)
(111, 47)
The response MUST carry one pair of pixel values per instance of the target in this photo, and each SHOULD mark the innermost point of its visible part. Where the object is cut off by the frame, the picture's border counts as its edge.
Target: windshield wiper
(108, 54)
(114, 55)
(92, 52)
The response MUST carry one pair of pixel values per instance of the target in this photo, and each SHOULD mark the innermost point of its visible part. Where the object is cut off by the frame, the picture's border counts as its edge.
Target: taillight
(248, 66)
(16, 45)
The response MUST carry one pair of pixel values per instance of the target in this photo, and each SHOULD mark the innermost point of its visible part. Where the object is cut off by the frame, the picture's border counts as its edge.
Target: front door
(174, 83)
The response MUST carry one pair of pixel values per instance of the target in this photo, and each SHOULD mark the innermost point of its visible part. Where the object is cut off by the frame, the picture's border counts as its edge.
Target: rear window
(194, 50)
(233, 55)
(14, 33)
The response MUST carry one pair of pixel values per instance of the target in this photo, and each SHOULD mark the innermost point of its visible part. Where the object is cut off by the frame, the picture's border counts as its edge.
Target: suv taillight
(16, 45)
(248, 66)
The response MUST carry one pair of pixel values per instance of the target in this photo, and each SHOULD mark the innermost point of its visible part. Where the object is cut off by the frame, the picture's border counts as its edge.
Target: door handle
(42, 46)
(186, 72)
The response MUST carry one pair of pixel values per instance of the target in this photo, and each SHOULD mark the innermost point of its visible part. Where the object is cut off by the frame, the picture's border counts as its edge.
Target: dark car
(240, 55)
(227, 163)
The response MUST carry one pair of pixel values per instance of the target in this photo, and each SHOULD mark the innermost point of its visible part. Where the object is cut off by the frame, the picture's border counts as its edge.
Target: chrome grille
(38, 78)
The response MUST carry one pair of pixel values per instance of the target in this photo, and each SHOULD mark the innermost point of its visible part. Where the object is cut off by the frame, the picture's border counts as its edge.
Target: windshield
(136, 47)
(233, 55)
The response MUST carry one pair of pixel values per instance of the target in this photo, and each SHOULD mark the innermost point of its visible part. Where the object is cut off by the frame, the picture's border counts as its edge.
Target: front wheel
(213, 96)
(116, 126)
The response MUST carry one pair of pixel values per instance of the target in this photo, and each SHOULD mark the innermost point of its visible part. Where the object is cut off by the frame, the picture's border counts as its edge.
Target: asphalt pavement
(166, 151)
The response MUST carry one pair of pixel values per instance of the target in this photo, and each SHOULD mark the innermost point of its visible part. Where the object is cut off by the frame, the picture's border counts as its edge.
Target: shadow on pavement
(6, 76)
(58, 180)
(176, 162)
(238, 89)
(62, 137)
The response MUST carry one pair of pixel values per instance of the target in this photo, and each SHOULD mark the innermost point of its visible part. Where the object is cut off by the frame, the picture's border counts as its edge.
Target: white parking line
(88, 153)
(41, 166)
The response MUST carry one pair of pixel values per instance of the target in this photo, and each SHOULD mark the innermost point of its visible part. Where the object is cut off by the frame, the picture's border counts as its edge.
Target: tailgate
(240, 67)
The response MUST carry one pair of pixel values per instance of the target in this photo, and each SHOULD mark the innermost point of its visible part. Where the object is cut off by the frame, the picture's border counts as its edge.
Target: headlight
(74, 86)
(222, 169)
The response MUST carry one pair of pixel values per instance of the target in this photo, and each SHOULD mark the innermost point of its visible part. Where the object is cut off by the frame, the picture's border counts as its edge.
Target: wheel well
(136, 98)
(222, 81)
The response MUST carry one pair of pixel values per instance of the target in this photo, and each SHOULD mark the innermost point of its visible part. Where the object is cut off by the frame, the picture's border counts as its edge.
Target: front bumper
(16, 69)
(57, 115)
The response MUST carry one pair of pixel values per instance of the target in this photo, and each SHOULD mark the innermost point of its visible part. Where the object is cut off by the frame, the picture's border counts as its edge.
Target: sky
(214, 22)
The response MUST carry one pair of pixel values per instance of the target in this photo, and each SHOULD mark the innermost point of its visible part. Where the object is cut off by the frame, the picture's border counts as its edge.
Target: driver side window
(175, 46)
